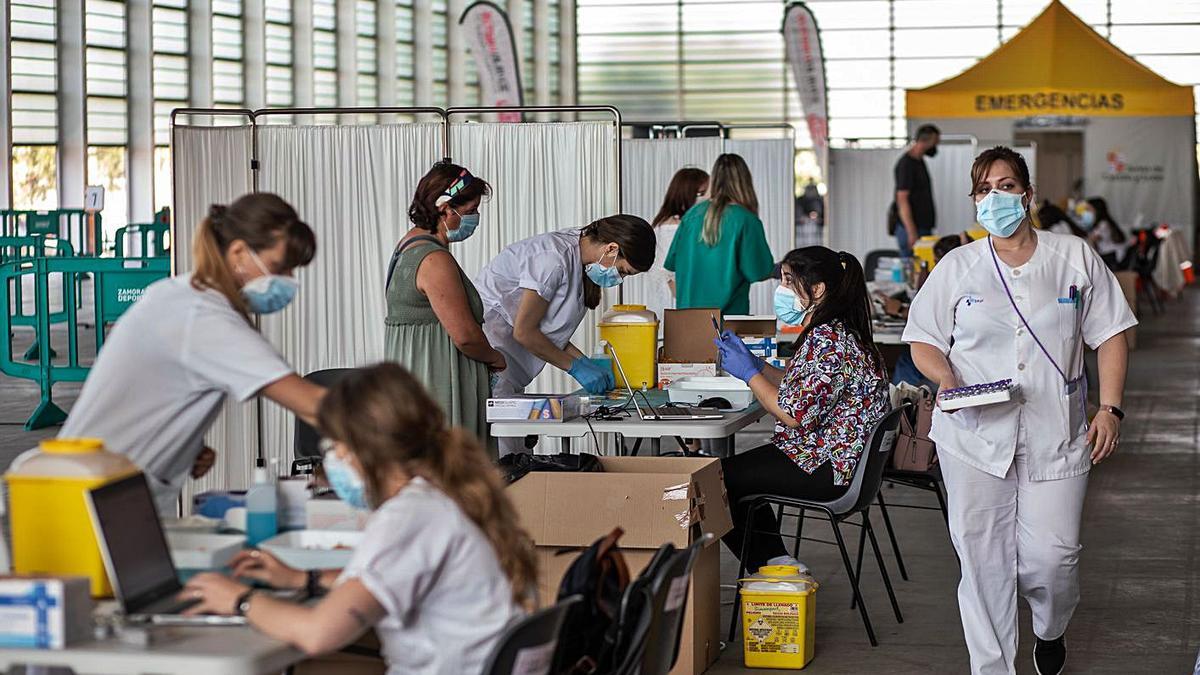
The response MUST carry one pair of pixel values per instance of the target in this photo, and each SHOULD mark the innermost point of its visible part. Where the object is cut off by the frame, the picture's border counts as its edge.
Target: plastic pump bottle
(262, 505)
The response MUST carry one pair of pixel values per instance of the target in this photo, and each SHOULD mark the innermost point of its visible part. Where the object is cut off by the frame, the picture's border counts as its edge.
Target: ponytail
(208, 254)
(846, 298)
(388, 420)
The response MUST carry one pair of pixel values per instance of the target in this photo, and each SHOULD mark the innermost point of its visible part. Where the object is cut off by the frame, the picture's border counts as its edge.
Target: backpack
(600, 575)
(514, 466)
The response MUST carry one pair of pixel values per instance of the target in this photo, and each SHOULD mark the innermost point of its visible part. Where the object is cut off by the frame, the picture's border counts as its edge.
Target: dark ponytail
(424, 211)
(846, 298)
(635, 241)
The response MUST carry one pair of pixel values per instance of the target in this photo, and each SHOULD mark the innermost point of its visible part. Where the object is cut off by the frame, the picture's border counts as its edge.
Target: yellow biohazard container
(632, 331)
(779, 618)
(48, 514)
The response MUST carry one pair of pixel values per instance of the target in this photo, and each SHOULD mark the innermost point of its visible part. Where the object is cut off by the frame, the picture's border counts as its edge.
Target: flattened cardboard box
(655, 500)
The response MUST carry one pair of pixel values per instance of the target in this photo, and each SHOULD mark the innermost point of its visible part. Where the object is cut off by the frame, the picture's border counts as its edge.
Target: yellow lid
(71, 446)
(779, 570)
(628, 308)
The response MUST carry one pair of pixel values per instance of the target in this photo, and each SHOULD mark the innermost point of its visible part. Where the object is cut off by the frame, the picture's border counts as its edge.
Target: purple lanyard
(1013, 302)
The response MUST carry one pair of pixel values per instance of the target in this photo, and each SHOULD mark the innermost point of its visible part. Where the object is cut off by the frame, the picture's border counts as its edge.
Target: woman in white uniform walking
(189, 343)
(535, 294)
(1021, 305)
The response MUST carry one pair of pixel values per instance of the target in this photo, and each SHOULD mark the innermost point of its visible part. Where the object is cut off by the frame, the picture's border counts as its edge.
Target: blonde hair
(730, 183)
(387, 419)
(260, 220)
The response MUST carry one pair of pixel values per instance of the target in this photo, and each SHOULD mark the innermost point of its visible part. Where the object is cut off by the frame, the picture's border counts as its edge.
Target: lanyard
(1016, 309)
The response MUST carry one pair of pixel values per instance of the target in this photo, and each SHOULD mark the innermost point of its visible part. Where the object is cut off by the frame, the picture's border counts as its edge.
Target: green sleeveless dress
(416, 340)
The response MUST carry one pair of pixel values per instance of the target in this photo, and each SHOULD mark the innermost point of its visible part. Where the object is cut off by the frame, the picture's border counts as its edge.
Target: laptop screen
(128, 530)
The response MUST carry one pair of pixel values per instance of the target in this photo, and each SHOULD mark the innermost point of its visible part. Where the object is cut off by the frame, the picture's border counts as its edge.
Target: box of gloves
(43, 612)
(533, 408)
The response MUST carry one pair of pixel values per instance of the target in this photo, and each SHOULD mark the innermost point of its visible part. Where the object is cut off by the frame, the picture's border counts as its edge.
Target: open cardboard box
(688, 349)
(655, 500)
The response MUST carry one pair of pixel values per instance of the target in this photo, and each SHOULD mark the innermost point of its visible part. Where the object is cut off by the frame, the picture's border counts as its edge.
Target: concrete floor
(1140, 577)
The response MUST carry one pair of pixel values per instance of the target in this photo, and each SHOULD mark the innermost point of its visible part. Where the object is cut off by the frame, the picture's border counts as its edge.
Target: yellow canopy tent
(1057, 65)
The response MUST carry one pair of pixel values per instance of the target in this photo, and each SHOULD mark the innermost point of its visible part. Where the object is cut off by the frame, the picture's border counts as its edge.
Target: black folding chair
(536, 635)
(307, 442)
(929, 481)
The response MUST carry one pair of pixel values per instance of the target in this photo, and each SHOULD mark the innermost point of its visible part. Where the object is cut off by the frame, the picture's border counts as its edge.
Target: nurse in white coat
(1021, 304)
(189, 343)
(535, 294)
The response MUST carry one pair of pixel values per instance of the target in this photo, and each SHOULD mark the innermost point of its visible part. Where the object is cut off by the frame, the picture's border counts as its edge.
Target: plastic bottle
(262, 507)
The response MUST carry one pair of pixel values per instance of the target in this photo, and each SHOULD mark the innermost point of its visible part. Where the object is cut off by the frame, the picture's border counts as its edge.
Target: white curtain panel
(352, 185)
(772, 164)
(212, 166)
(860, 191)
(950, 173)
(545, 176)
(647, 166)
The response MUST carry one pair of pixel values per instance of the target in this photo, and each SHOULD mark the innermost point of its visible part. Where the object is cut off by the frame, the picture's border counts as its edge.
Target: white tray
(314, 549)
(692, 390)
(201, 551)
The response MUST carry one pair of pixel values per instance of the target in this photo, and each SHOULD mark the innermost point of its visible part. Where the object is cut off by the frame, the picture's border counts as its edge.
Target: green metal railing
(81, 229)
(118, 283)
(153, 238)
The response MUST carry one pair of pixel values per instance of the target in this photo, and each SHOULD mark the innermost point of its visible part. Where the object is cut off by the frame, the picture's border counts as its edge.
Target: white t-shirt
(964, 311)
(162, 375)
(660, 297)
(549, 265)
(437, 576)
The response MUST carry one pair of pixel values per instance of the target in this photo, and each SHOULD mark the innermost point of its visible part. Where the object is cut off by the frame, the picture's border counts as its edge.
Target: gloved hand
(595, 380)
(736, 358)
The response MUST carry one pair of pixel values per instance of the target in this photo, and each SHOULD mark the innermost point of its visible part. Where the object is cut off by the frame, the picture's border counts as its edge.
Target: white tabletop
(633, 427)
(206, 650)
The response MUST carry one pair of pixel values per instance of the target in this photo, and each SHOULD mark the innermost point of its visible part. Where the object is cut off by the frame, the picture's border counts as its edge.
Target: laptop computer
(660, 414)
(136, 556)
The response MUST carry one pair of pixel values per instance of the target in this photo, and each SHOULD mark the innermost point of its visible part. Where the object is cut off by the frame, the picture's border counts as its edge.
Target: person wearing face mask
(1105, 234)
(1021, 304)
(190, 342)
(434, 323)
(912, 214)
(535, 293)
(443, 566)
(826, 403)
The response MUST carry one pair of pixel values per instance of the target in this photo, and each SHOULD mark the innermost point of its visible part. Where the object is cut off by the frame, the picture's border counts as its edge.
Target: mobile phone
(716, 325)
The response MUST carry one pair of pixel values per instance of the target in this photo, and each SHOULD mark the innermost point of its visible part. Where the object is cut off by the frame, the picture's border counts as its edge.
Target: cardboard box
(764, 325)
(1128, 281)
(655, 500)
(688, 349)
(44, 612)
(533, 408)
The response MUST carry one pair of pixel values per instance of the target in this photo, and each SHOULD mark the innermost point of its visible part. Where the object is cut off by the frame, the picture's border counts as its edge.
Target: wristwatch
(1120, 414)
(242, 605)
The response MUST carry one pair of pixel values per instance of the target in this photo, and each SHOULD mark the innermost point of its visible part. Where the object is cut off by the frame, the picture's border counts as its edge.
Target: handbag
(914, 451)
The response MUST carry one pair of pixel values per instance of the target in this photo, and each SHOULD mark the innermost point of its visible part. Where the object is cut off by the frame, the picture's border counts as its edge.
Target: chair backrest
(528, 644)
(871, 262)
(868, 474)
(669, 589)
(307, 440)
(637, 613)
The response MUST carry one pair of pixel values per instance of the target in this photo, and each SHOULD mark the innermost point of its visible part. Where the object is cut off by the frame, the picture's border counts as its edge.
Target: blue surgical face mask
(345, 481)
(604, 277)
(787, 307)
(1000, 213)
(270, 292)
(466, 227)
(1087, 219)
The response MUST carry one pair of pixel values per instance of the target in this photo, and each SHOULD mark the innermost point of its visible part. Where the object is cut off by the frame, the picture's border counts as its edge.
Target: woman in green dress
(434, 315)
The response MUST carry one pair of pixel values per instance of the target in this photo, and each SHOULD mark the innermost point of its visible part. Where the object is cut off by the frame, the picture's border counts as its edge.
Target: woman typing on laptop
(826, 402)
(443, 566)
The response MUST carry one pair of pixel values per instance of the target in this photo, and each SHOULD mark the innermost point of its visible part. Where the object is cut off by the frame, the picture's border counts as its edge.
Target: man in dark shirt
(912, 214)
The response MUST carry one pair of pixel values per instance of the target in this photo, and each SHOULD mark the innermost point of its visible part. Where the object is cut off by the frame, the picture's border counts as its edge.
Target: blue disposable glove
(736, 358)
(595, 380)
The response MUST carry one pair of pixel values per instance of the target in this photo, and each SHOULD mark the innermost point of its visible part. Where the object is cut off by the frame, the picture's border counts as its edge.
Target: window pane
(34, 118)
(170, 30)
(35, 177)
(279, 44)
(279, 11)
(32, 19)
(937, 13)
(106, 167)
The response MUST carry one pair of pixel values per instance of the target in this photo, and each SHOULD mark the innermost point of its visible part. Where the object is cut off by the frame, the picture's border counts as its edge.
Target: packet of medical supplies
(43, 612)
(988, 393)
(533, 408)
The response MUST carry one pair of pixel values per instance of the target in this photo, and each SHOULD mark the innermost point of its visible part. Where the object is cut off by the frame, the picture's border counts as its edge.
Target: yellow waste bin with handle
(632, 332)
(779, 618)
(48, 510)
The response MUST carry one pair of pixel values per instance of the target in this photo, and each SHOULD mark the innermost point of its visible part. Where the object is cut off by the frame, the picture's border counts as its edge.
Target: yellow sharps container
(779, 618)
(47, 496)
(632, 331)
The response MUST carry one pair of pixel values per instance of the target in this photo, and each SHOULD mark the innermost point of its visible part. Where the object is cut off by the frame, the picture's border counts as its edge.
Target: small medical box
(44, 612)
(533, 408)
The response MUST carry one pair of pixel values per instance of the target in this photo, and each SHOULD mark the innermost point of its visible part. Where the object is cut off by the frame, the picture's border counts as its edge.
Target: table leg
(566, 445)
(655, 446)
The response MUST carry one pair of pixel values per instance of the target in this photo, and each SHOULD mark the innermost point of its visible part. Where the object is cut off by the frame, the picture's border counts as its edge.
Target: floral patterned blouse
(831, 389)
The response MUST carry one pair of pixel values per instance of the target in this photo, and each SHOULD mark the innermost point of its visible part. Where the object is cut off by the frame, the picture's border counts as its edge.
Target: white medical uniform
(549, 265)
(162, 376)
(1016, 472)
(659, 297)
(436, 575)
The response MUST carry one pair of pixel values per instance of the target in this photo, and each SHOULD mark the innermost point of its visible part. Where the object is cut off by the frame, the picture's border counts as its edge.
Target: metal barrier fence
(118, 283)
(81, 229)
(153, 240)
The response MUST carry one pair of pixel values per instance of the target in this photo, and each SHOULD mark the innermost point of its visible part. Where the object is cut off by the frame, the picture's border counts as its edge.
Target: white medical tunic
(437, 577)
(549, 265)
(163, 374)
(964, 311)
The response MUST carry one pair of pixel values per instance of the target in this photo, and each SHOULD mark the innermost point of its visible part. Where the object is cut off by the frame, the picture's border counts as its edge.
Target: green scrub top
(719, 276)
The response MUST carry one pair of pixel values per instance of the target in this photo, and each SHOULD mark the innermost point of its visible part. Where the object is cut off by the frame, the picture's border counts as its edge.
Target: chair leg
(862, 608)
(887, 582)
(887, 522)
(937, 489)
(799, 533)
(862, 542)
(737, 595)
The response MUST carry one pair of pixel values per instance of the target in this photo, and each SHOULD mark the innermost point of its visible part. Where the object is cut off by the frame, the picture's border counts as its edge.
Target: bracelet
(242, 604)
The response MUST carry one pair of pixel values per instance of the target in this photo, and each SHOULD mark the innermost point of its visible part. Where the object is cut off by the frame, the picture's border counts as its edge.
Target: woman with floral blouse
(827, 401)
